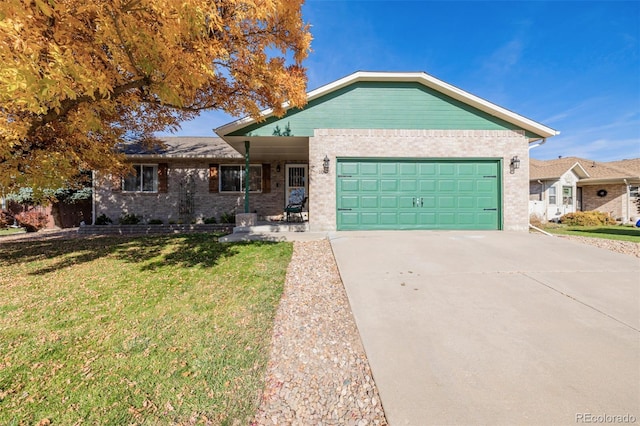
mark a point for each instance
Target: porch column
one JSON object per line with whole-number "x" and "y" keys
{"x": 246, "y": 176}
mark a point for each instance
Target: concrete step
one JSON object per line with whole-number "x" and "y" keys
{"x": 272, "y": 228}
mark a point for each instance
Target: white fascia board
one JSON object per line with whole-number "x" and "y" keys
{"x": 578, "y": 166}
{"x": 419, "y": 77}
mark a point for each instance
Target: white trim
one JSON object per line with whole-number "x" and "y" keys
{"x": 418, "y": 77}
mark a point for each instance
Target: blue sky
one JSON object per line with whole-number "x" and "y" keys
{"x": 571, "y": 65}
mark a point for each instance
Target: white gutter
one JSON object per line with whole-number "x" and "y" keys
{"x": 535, "y": 145}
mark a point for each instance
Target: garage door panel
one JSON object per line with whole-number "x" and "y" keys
{"x": 368, "y": 218}
{"x": 406, "y": 202}
{"x": 349, "y": 168}
{"x": 418, "y": 194}
{"x": 486, "y": 185}
{"x": 408, "y": 185}
{"x": 390, "y": 169}
{"x": 369, "y": 202}
{"x": 387, "y": 219}
{"x": 466, "y": 202}
{"x": 447, "y": 185}
{"x": 446, "y": 218}
{"x": 408, "y": 169}
{"x": 388, "y": 185}
{"x": 427, "y": 185}
{"x": 466, "y": 185}
{"x": 348, "y": 185}
{"x": 388, "y": 202}
{"x": 369, "y": 185}
{"x": 447, "y": 202}
{"x": 368, "y": 169}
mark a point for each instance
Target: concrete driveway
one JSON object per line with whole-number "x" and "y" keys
{"x": 495, "y": 327}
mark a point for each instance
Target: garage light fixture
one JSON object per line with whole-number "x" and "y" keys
{"x": 325, "y": 164}
{"x": 515, "y": 164}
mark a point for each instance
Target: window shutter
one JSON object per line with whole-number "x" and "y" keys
{"x": 163, "y": 177}
{"x": 266, "y": 178}
{"x": 213, "y": 178}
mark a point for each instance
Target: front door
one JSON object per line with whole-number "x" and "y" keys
{"x": 296, "y": 176}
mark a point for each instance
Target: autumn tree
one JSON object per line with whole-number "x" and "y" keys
{"x": 79, "y": 76}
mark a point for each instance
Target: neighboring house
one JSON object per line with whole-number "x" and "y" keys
{"x": 570, "y": 184}
{"x": 373, "y": 150}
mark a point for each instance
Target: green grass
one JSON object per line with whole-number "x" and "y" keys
{"x": 11, "y": 231}
{"x": 143, "y": 330}
{"x": 615, "y": 232}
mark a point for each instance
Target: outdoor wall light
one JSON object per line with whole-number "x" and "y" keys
{"x": 515, "y": 164}
{"x": 278, "y": 168}
{"x": 325, "y": 164}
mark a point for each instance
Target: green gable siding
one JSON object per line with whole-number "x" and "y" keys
{"x": 378, "y": 105}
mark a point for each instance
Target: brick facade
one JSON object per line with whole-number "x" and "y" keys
{"x": 614, "y": 203}
{"x": 390, "y": 143}
{"x": 114, "y": 203}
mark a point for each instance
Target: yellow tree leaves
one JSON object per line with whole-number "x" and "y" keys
{"x": 78, "y": 76}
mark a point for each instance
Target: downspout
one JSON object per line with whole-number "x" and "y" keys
{"x": 628, "y": 201}
{"x": 246, "y": 176}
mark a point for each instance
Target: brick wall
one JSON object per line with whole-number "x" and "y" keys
{"x": 614, "y": 203}
{"x": 385, "y": 143}
{"x": 165, "y": 206}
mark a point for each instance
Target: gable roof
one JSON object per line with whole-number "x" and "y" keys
{"x": 181, "y": 147}
{"x": 539, "y": 130}
{"x": 596, "y": 172}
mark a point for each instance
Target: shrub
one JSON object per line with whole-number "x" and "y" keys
{"x": 227, "y": 218}
{"x": 536, "y": 221}
{"x": 103, "y": 219}
{"x": 130, "y": 219}
{"x": 590, "y": 218}
{"x": 6, "y": 219}
{"x": 155, "y": 222}
{"x": 31, "y": 220}
{"x": 209, "y": 220}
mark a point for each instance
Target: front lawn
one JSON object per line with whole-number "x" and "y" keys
{"x": 142, "y": 330}
{"x": 11, "y": 231}
{"x": 615, "y": 232}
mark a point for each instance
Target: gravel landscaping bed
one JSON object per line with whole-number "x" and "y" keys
{"x": 318, "y": 372}
{"x": 625, "y": 247}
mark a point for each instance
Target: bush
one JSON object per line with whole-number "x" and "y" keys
{"x": 155, "y": 222}
{"x": 227, "y": 218}
{"x": 209, "y": 220}
{"x": 130, "y": 219}
{"x": 103, "y": 219}
{"x": 590, "y": 218}
{"x": 536, "y": 221}
{"x": 6, "y": 219}
{"x": 32, "y": 220}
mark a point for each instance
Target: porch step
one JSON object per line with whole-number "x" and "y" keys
{"x": 272, "y": 228}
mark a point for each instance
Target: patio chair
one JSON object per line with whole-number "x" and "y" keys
{"x": 296, "y": 204}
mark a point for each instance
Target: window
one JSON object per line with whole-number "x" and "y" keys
{"x": 552, "y": 195}
{"x": 143, "y": 179}
{"x": 567, "y": 195}
{"x": 232, "y": 178}
{"x": 633, "y": 191}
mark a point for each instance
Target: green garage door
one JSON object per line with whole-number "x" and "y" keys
{"x": 418, "y": 194}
